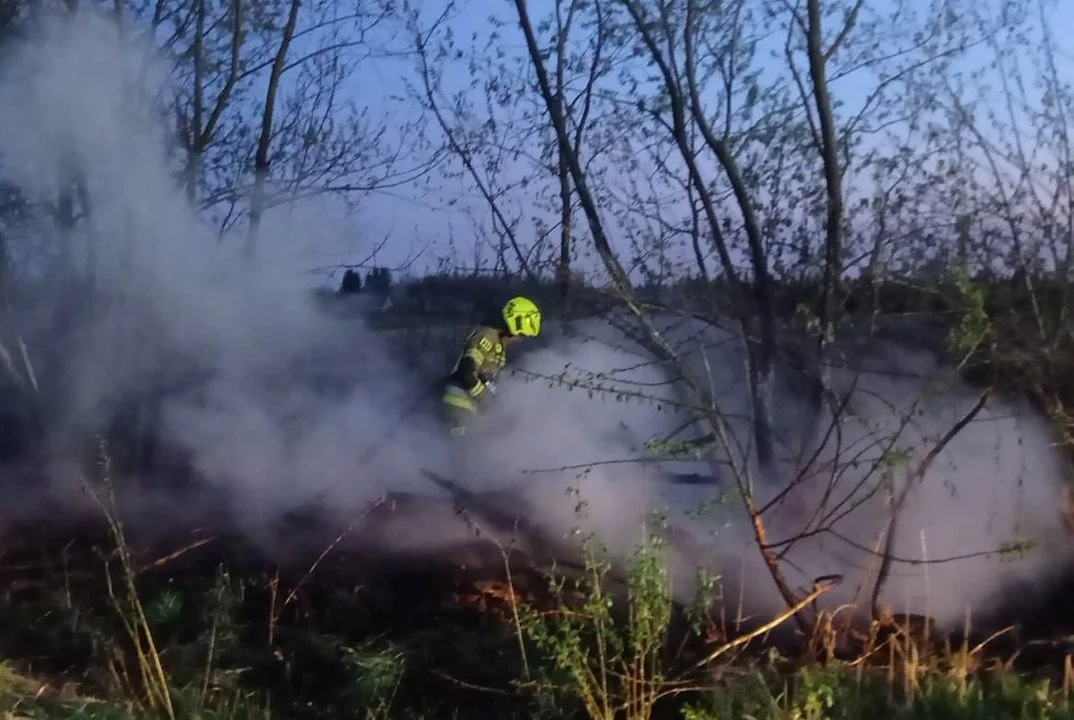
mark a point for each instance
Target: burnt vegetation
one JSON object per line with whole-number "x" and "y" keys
{"x": 311, "y": 620}
{"x": 629, "y": 161}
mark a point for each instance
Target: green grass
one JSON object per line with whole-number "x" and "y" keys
{"x": 88, "y": 629}
{"x": 840, "y": 691}
{"x": 843, "y": 692}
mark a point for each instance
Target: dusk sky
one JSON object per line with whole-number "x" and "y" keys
{"x": 413, "y": 217}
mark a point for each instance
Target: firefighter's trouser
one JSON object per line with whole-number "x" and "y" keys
{"x": 459, "y": 409}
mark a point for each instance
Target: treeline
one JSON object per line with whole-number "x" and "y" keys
{"x": 1002, "y": 296}
{"x": 1023, "y": 342}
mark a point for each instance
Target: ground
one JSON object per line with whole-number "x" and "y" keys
{"x": 103, "y": 614}
{"x": 89, "y": 608}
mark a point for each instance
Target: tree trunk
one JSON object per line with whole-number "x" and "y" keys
{"x": 194, "y": 149}
{"x": 833, "y": 180}
{"x": 563, "y": 269}
{"x": 261, "y": 158}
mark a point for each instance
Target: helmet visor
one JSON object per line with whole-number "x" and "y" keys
{"x": 528, "y": 325}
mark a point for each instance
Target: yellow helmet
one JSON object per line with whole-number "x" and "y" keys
{"x": 522, "y": 316}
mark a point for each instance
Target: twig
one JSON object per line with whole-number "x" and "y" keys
{"x": 821, "y": 586}
{"x": 324, "y": 553}
{"x": 504, "y": 553}
{"x": 172, "y": 556}
{"x": 917, "y": 476}
{"x": 470, "y": 686}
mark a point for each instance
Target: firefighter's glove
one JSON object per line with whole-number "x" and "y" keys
{"x": 490, "y": 387}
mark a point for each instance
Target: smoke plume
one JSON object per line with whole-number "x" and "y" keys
{"x": 277, "y": 403}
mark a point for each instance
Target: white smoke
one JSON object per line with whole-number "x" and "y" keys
{"x": 280, "y": 404}
{"x": 983, "y": 521}
{"x": 239, "y": 348}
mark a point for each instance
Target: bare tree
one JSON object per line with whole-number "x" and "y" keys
{"x": 495, "y": 127}
{"x": 577, "y": 110}
{"x": 472, "y": 144}
{"x": 261, "y": 155}
{"x": 311, "y": 137}
{"x": 199, "y": 131}
{"x": 757, "y": 137}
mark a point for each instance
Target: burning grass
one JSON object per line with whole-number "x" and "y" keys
{"x": 98, "y": 620}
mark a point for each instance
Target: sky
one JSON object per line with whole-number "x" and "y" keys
{"x": 418, "y": 220}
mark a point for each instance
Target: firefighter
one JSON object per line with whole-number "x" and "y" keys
{"x": 483, "y": 356}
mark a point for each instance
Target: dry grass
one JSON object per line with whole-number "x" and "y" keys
{"x": 430, "y": 644}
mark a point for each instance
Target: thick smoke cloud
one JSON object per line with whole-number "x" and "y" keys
{"x": 995, "y": 485}
{"x": 278, "y": 403}
{"x": 239, "y": 351}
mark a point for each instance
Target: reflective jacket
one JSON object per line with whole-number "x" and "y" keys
{"x": 482, "y": 358}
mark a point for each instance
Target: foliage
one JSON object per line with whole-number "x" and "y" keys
{"x": 609, "y": 643}
{"x": 379, "y": 280}
{"x": 711, "y": 182}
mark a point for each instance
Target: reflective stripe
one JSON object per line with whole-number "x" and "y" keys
{"x": 457, "y": 397}
{"x": 484, "y": 348}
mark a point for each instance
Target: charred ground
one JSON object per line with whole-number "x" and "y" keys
{"x": 306, "y": 615}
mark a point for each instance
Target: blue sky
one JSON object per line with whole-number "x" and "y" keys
{"x": 415, "y": 217}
